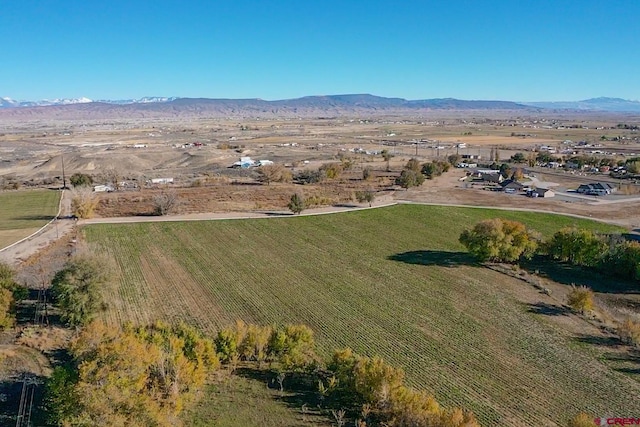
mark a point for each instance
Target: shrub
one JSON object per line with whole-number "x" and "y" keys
{"x": 435, "y": 168}
{"x": 317, "y": 201}
{"x": 367, "y": 174}
{"x": 409, "y": 178}
{"x": 413, "y": 165}
{"x": 582, "y": 420}
{"x": 629, "y": 332}
{"x": 273, "y": 173}
{"x": 331, "y": 170}
{"x": 309, "y": 176}
{"x": 580, "y": 299}
{"x": 367, "y": 196}
{"x": 296, "y": 204}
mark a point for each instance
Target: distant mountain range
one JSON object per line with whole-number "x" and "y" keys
{"x": 11, "y": 103}
{"x": 593, "y": 104}
{"x": 318, "y": 106}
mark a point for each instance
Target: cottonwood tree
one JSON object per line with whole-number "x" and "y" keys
{"x": 135, "y": 377}
{"x": 273, "y": 173}
{"x": 10, "y": 292}
{"x": 77, "y": 287}
{"x": 499, "y": 240}
{"x": 113, "y": 175}
{"x": 83, "y": 202}
{"x": 577, "y": 246}
{"x": 80, "y": 179}
{"x": 165, "y": 203}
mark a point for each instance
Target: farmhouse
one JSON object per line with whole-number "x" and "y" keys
{"x": 597, "y": 188}
{"x": 511, "y": 186}
{"x": 492, "y": 177}
{"x": 541, "y": 192}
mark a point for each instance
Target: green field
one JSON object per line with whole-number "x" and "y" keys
{"x": 23, "y": 212}
{"x": 393, "y": 282}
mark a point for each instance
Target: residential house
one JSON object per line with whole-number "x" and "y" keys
{"x": 511, "y": 186}
{"x": 541, "y": 192}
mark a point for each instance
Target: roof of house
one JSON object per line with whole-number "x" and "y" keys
{"x": 542, "y": 190}
{"x": 510, "y": 183}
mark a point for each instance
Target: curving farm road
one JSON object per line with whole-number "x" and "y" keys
{"x": 17, "y": 253}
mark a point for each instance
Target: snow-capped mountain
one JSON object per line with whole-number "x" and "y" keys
{"x": 143, "y": 100}
{"x": 11, "y": 103}
{"x": 8, "y": 102}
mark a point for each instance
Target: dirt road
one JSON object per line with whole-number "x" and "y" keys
{"x": 432, "y": 193}
{"x": 18, "y": 252}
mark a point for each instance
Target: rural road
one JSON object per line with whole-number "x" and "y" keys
{"x": 19, "y": 252}
{"x": 59, "y": 227}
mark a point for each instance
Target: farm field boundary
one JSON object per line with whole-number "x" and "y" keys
{"x": 393, "y": 282}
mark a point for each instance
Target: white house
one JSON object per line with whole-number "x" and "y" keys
{"x": 102, "y": 188}
{"x": 161, "y": 180}
{"x": 244, "y": 163}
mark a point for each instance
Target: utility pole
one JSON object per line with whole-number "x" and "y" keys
{"x": 64, "y": 179}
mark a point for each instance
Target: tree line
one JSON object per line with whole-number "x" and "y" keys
{"x": 498, "y": 240}
{"x": 501, "y": 240}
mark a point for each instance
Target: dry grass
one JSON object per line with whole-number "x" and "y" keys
{"x": 45, "y": 339}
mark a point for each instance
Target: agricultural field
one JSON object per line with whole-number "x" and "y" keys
{"x": 392, "y": 282}
{"x": 24, "y": 212}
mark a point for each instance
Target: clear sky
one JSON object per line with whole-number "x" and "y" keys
{"x": 535, "y": 50}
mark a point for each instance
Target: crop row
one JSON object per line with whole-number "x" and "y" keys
{"x": 455, "y": 330}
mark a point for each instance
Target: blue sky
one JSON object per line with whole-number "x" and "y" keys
{"x": 509, "y": 49}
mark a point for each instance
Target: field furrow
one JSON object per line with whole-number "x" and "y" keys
{"x": 392, "y": 282}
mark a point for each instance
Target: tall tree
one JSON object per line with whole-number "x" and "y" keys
{"x": 80, "y": 179}
{"x": 409, "y": 178}
{"x": 386, "y": 155}
{"x": 76, "y": 289}
{"x": 499, "y": 240}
